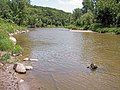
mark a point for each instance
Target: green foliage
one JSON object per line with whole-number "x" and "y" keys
{"x": 3, "y": 34}
{"x": 98, "y": 15}
{"x": 73, "y": 27}
{"x": 17, "y": 49}
{"x": 86, "y": 27}
{"x": 95, "y": 26}
{"x": 5, "y": 44}
{"x": 77, "y": 13}
{"x": 106, "y": 12}
{"x": 88, "y": 5}
{"x": 78, "y": 22}
{"x": 5, "y": 57}
{"x": 6, "y": 28}
{"x": 110, "y": 30}
{"x": 44, "y": 16}
{"x": 118, "y": 20}
{"x": 87, "y": 19}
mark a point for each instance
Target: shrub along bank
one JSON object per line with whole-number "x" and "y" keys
{"x": 5, "y": 43}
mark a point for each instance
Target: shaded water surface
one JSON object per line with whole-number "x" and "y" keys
{"x": 63, "y": 58}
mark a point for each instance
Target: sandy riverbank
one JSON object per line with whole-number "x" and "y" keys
{"x": 81, "y": 31}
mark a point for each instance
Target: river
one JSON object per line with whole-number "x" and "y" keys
{"x": 64, "y": 56}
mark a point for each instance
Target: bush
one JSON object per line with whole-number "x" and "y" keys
{"x": 111, "y": 30}
{"x": 9, "y": 27}
{"x": 87, "y": 19}
{"x": 118, "y": 20}
{"x": 5, "y": 57}
{"x": 78, "y": 22}
{"x": 117, "y": 31}
{"x": 3, "y": 34}
{"x": 95, "y": 26}
{"x": 17, "y": 50}
{"x": 86, "y": 27}
{"x": 73, "y": 27}
{"x": 6, "y": 44}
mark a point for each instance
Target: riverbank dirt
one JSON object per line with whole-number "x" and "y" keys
{"x": 9, "y": 79}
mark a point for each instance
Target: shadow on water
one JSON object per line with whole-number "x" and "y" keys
{"x": 63, "y": 58}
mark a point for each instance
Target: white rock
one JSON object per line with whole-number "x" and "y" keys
{"x": 27, "y": 30}
{"x": 20, "y": 68}
{"x": 13, "y": 40}
{"x": 33, "y": 59}
{"x": 28, "y": 67}
{"x": 1, "y": 65}
{"x": 26, "y": 59}
{"x": 11, "y": 34}
{"x": 30, "y": 59}
{"x": 15, "y": 33}
{"x": 23, "y": 31}
{"x": 21, "y": 81}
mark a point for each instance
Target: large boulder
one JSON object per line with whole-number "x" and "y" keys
{"x": 13, "y": 40}
{"x": 19, "y": 68}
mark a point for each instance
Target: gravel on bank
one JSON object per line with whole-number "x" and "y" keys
{"x": 9, "y": 79}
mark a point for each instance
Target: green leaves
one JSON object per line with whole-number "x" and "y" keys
{"x": 5, "y": 57}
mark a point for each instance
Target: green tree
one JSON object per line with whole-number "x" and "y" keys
{"x": 106, "y": 12}
{"x": 87, "y": 19}
{"x": 19, "y": 11}
{"x": 77, "y": 13}
{"x": 5, "y": 11}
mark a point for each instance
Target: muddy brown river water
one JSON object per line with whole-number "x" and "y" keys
{"x": 64, "y": 56}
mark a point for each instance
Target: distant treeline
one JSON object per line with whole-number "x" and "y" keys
{"x": 22, "y": 12}
{"x": 98, "y": 15}
{"x": 94, "y": 15}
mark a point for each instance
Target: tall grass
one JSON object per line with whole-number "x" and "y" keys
{"x": 6, "y": 28}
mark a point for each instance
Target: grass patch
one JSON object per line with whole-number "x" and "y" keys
{"x": 5, "y": 57}
{"x": 17, "y": 50}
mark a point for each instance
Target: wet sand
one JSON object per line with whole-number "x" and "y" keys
{"x": 81, "y": 31}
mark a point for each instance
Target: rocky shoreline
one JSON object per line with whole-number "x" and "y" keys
{"x": 9, "y": 77}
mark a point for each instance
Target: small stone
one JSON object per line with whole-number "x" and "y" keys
{"x": 1, "y": 65}
{"x": 23, "y": 32}
{"x": 33, "y": 59}
{"x": 26, "y": 59}
{"x": 28, "y": 67}
{"x": 21, "y": 81}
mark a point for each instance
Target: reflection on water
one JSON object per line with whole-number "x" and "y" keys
{"x": 63, "y": 58}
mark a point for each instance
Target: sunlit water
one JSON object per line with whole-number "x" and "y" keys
{"x": 64, "y": 57}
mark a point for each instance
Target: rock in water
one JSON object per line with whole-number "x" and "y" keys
{"x": 28, "y": 67}
{"x": 33, "y": 59}
{"x": 19, "y": 68}
{"x": 92, "y": 66}
{"x": 29, "y": 59}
